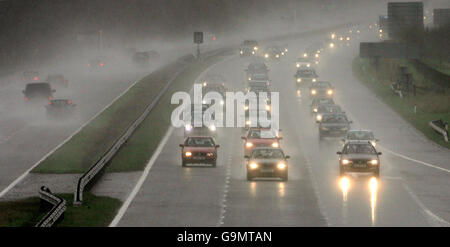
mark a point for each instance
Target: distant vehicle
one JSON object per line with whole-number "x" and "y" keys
{"x": 260, "y": 115}
{"x": 325, "y": 109}
{"x": 359, "y": 156}
{"x": 321, "y": 89}
{"x": 30, "y": 76}
{"x": 305, "y": 75}
{"x": 213, "y": 79}
{"x": 333, "y": 124}
{"x": 56, "y": 80}
{"x": 204, "y": 130}
{"x": 303, "y": 62}
{"x": 259, "y": 77}
{"x": 256, "y": 68}
{"x": 38, "y": 91}
{"x": 248, "y": 48}
{"x": 199, "y": 150}
{"x": 267, "y": 162}
{"x": 360, "y": 135}
{"x": 318, "y": 101}
{"x": 215, "y": 87}
{"x": 273, "y": 53}
{"x": 141, "y": 58}
{"x": 60, "y": 108}
{"x": 260, "y": 137}
{"x": 97, "y": 62}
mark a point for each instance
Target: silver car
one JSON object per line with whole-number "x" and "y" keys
{"x": 359, "y": 156}
{"x": 267, "y": 162}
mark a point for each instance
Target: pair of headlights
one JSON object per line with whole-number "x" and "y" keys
{"x": 189, "y": 154}
{"x": 188, "y": 127}
{"x": 280, "y": 165}
{"x": 274, "y": 144}
{"x": 346, "y": 162}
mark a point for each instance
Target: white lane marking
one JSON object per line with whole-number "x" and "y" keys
{"x": 433, "y": 219}
{"x": 414, "y": 160}
{"x": 142, "y": 179}
{"x": 21, "y": 177}
{"x": 225, "y": 191}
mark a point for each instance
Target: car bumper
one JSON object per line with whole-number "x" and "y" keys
{"x": 266, "y": 172}
{"x": 199, "y": 160}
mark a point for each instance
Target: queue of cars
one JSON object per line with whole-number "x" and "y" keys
{"x": 262, "y": 146}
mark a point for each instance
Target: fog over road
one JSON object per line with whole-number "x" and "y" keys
{"x": 413, "y": 188}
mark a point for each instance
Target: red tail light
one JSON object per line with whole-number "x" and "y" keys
{"x": 89, "y": 65}
{"x": 101, "y": 64}
{"x": 26, "y": 99}
{"x": 35, "y": 78}
{"x": 23, "y": 78}
{"x": 50, "y": 98}
{"x": 50, "y": 102}
{"x": 69, "y": 102}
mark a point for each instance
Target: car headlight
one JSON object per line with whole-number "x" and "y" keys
{"x": 188, "y": 127}
{"x": 319, "y": 117}
{"x": 330, "y": 92}
{"x": 249, "y": 144}
{"x": 374, "y": 162}
{"x": 313, "y": 91}
{"x": 253, "y": 165}
{"x": 297, "y": 65}
{"x": 248, "y": 122}
{"x": 282, "y": 53}
{"x": 308, "y": 65}
{"x": 317, "y": 55}
{"x": 210, "y": 154}
{"x": 253, "y": 52}
{"x": 204, "y": 84}
{"x": 305, "y": 54}
{"x": 188, "y": 154}
{"x": 348, "y": 38}
{"x": 316, "y": 62}
{"x": 373, "y": 143}
{"x": 266, "y": 55}
{"x": 203, "y": 101}
{"x": 267, "y": 107}
{"x": 331, "y": 45}
{"x": 222, "y": 102}
{"x": 246, "y": 107}
{"x": 299, "y": 80}
{"x": 241, "y": 52}
{"x": 314, "y": 80}
{"x": 315, "y": 110}
{"x": 277, "y": 55}
{"x": 212, "y": 128}
{"x": 275, "y": 145}
{"x": 281, "y": 166}
{"x": 255, "y": 48}
{"x": 286, "y": 50}
{"x": 345, "y": 162}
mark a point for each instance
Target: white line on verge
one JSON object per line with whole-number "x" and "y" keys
{"x": 143, "y": 177}
{"x": 414, "y": 160}
{"x": 21, "y": 177}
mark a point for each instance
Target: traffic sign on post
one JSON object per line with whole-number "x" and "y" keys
{"x": 198, "y": 39}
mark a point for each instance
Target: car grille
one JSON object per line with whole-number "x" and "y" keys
{"x": 269, "y": 165}
{"x": 359, "y": 163}
{"x": 198, "y": 154}
{"x": 263, "y": 145}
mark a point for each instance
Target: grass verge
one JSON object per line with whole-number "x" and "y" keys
{"x": 96, "y": 211}
{"x": 431, "y": 105}
{"x": 134, "y": 155}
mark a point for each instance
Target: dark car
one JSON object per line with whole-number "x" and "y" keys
{"x": 359, "y": 156}
{"x": 321, "y": 89}
{"x": 141, "y": 58}
{"x": 38, "y": 91}
{"x": 60, "y": 108}
{"x": 199, "y": 150}
{"x": 326, "y": 109}
{"x": 30, "y": 76}
{"x": 305, "y": 75}
{"x": 256, "y": 68}
{"x": 319, "y": 101}
{"x": 248, "y": 48}
{"x": 267, "y": 162}
{"x": 57, "y": 80}
{"x": 333, "y": 124}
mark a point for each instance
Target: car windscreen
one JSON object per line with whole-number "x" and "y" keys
{"x": 360, "y": 135}
{"x": 334, "y": 119}
{"x": 329, "y": 109}
{"x": 267, "y": 154}
{"x": 323, "y": 85}
{"x": 199, "y": 142}
{"x": 306, "y": 72}
{"x": 38, "y": 87}
{"x": 359, "y": 149}
{"x": 261, "y": 134}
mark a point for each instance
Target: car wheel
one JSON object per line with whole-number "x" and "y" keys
{"x": 341, "y": 171}
{"x": 249, "y": 176}
{"x": 214, "y": 163}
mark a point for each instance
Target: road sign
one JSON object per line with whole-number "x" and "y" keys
{"x": 403, "y": 16}
{"x": 198, "y": 37}
{"x": 388, "y": 50}
{"x": 441, "y": 17}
